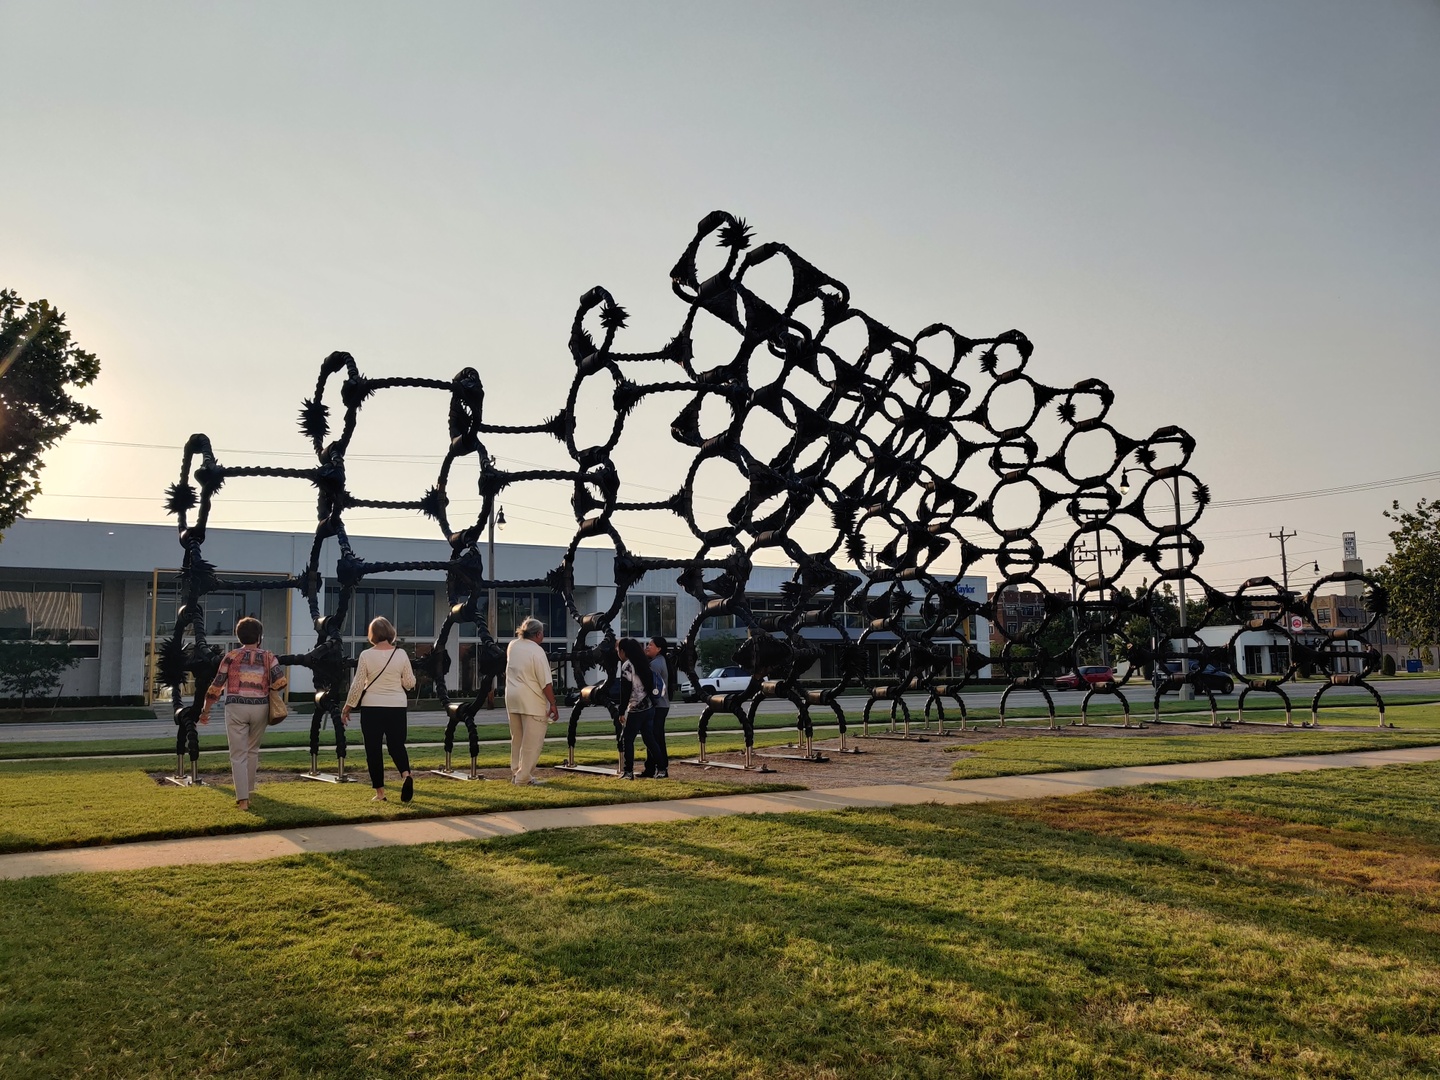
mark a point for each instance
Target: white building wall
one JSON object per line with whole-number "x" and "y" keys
{"x": 130, "y": 678}
{"x": 123, "y": 558}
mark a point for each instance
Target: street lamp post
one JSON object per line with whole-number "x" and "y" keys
{"x": 1187, "y": 692}
{"x": 491, "y": 615}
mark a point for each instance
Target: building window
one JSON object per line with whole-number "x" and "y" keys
{"x": 411, "y": 610}
{"x": 645, "y": 616}
{"x": 512, "y": 607}
{"x": 43, "y": 611}
{"x": 223, "y": 609}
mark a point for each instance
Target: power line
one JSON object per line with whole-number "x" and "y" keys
{"x": 408, "y": 459}
{"x": 1319, "y": 493}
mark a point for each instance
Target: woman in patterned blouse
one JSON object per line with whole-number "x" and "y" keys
{"x": 246, "y": 677}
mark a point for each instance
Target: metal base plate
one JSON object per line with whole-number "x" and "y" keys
{"x": 726, "y": 765}
{"x": 816, "y": 757}
{"x": 601, "y": 770}
{"x": 454, "y": 774}
{"x": 328, "y": 778}
{"x": 897, "y": 737}
{"x": 185, "y": 781}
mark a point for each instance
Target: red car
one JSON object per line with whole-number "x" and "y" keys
{"x": 1088, "y": 677}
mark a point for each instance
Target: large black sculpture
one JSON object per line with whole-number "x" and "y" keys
{"x": 863, "y": 458}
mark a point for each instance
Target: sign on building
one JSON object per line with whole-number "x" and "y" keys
{"x": 1347, "y": 540}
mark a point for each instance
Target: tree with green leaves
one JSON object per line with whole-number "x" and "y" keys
{"x": 1411, "y": 575}
{"x": 39, "y": 367}
{"x": 30, "y": 669}
{"x": 718, "y": 650}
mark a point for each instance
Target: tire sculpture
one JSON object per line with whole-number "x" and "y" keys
{"x": 863, "y": 458}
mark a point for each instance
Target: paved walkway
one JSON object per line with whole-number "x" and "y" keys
{"x": 254, "y": 847}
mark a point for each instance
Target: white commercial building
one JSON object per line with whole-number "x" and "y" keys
{"x": 109, "y": 590}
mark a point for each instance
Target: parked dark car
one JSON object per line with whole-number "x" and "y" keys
{"x": 1094, "y": 675}
{"x": 1210, "y": 677}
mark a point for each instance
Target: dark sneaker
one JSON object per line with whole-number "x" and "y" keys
{"x": 662, "y": 774}
{"x": 627, "y": 776}
{"x": 407, "y": 789}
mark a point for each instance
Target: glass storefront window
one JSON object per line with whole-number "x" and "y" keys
{"x": 405, "y": 614}
{"x": 411, "y": 610}
{"x": 15, "y": 613}
{"x": 52, "y": 611}
{"x": 88, "y": 628}
{"x": 511, "y": 608}
{"x": 660, "y": 616}
{"x": 223, "y": 609}
{"x": 647, "y": 616}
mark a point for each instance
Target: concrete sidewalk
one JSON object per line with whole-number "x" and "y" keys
{"x": 254, "y": 847}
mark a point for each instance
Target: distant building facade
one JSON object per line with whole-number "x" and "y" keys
{"x": 108, "y": 590}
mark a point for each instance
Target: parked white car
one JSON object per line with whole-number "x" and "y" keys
{"x": 724, "y": 680}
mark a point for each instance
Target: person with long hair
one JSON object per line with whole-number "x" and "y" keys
{"x": 658, "y": 765}
{"x": 382, "y": 675}
{"x": 246, "y": 676}
{"x": 637, "y": 691}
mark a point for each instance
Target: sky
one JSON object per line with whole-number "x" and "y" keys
{"x": 1225, "y": 211}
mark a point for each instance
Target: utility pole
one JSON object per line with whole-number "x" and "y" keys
{"x": 1187, "y": 692}
{"x": 1084, "y": 554}
{"x": 1282, "y": 536}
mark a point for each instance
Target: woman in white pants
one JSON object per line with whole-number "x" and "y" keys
{"x": 246, "y": 677}
{"x": 529, "y": 699}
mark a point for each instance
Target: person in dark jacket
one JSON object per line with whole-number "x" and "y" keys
{"x": 658, "y": 764}
{"x": 639, "y": 711}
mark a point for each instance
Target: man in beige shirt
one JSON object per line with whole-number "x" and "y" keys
{"x": 529, "y": 699}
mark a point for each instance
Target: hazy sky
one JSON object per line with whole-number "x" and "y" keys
{"x": 1226, "y": 211}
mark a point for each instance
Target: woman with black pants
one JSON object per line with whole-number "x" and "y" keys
{"x": 638, "y": 695}
{"x": 658, "y": 763}
{"x": 382, "y": 675}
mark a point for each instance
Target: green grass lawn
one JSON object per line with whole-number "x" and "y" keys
{"x": 1078, "y": 749}
{"x": 47, "y": 804}
{"x": 68, "y": 803}
{"x": 1283, "y": 926}
{"x": 296, "y": 730}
